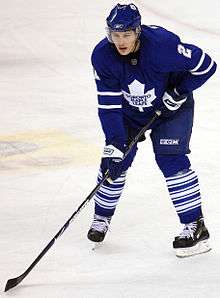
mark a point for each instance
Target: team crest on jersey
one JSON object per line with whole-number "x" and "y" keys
{"x": 137, "y": 96}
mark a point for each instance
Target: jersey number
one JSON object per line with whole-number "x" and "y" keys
{"x": 184, "y": 51}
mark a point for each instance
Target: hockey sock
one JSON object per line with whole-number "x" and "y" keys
{"x": 108, "y": 195}
{"x": 185, "y": 194}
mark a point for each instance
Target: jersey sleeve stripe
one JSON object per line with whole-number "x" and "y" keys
{"x": 108, "y": 107}
{"x": 200, "y": 63}
{"x": 109, "y": 93}
{"x": 204, "y": 71}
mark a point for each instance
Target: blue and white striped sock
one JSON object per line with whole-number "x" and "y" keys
{"x": 185, "y": 194}
{"x": 108, "y": 195}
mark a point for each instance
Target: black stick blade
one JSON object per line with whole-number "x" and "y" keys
{"x": 13, "y": 282}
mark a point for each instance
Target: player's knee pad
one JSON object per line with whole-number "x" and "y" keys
{"x": 172, "y": 164}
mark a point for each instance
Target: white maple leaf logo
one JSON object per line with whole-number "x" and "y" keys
{"x": 137, "y": 97}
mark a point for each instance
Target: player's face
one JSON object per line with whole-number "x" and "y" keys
{"x": 124, "y": 41}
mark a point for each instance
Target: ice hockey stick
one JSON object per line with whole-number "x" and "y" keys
{"x": 13, "y": 282}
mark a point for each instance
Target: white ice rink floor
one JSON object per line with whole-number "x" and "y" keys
{"x": 50, "y": 144}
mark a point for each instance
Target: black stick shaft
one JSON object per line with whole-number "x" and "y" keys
{"x": 15, "y": 281}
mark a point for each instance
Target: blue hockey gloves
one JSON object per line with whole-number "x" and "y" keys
{"x": 113, "y": 159}
{"x": 172, "y": 101}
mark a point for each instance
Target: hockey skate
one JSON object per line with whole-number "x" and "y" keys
{"x": 99, "y": 228}
{"x": 192, "y": 240}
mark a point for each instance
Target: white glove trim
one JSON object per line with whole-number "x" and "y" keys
{"x": 112, "y": 151}
{"x": 171, "y": 103}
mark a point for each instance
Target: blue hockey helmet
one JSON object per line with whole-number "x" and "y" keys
{"x": 123, "y": 17}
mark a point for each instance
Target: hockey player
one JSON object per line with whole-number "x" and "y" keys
{"x": 138, "y": 70}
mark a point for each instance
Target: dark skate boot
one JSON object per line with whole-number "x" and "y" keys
{"x": 192, "y": 240}
{"x": 98, "y": 228}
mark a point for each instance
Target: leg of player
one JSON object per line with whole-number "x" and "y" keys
{"x": 106, "y": 200}
{"x": 171, "y": 141}
{"x": 184, "y": 192}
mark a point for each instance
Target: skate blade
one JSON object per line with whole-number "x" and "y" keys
{"x": 200, "y": 248}
{"x": 96, "y": 245}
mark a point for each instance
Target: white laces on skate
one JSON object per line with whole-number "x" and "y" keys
{"x": 188, "y": 230}
{"x": 100, "y": 223}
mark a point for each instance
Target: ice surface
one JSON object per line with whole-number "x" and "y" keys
{"x": 50, "y": 143}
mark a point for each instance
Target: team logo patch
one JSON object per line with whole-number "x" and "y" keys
{"x": 169, "y": 141}
{"x": 138, "y": 97}
{"x": 108, "y": 151}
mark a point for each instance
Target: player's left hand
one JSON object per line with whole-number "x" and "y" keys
{"x": 113, "y": 157}
{"x": 172, "y": 101}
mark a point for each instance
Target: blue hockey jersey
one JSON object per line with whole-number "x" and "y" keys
{"x": 131, "y": 87}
